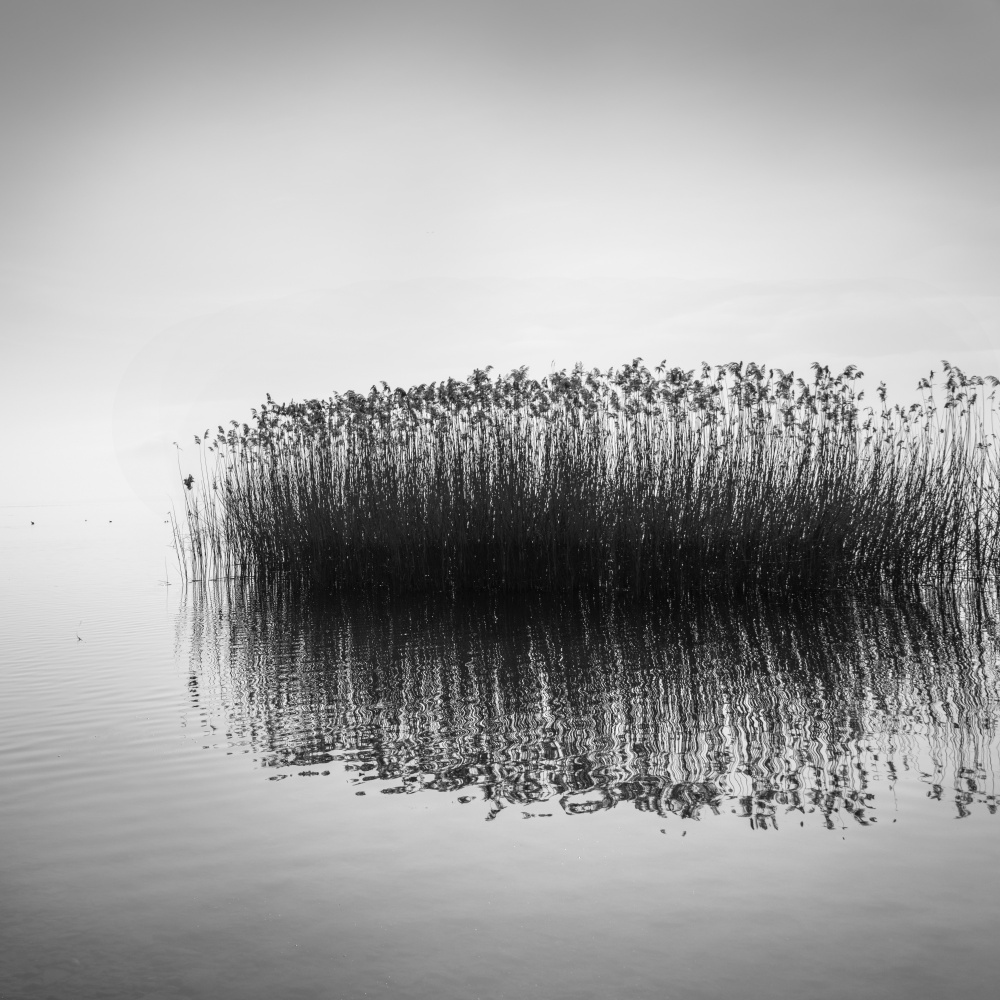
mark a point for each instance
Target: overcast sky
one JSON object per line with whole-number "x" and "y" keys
{"x": 202, "y": 202}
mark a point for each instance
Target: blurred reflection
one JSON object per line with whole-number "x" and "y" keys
{"x": 772, "y": 713}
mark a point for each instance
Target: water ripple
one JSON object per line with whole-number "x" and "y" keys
{"x": 807, "y": 710}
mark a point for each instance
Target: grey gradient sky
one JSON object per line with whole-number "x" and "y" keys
{"x": 202, "y": 202}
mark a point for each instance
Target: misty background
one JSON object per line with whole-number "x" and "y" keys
{"x": 205, "y": 202}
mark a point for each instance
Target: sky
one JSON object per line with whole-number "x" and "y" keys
{"x": 204, "y": 202}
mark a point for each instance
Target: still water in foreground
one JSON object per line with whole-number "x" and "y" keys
{"x": 211, "y": 792}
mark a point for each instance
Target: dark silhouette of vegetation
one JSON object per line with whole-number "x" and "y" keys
{"x": 656, "y": 482}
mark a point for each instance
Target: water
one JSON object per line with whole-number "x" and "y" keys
{"x": 212, "y": 793}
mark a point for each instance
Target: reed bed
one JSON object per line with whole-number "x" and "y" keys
{"x": 652, "y": 482}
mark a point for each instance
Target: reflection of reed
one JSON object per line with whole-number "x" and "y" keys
{"x": 684, "y": 711}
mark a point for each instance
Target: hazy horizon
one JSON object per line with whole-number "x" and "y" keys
{"x": 206, "y": 202}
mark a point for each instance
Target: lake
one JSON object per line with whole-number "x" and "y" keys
{"x": 215, "y": 791}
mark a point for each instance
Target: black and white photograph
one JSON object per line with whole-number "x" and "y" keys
{"x": 500, "y": 499}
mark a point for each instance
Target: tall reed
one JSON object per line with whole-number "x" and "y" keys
{"x": 652, "y": 482}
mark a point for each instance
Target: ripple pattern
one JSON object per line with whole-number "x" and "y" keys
{"x": 815, "y": 709}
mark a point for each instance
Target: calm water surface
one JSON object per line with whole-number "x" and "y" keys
{"x": 212, "y": 793}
